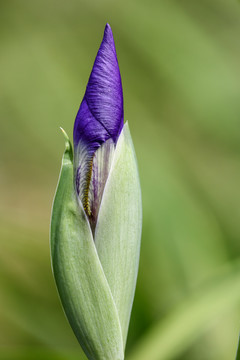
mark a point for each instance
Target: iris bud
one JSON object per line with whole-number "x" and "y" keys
{"x": 97, "y": 216}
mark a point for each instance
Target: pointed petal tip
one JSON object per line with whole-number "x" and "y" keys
{"x": 108, "y": 38}
{"x": 108, "y": 28}
{"x": 100, "y": 116}
{"x": 108, "y": 31}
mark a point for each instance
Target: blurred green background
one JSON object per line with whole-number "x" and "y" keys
{"x": 180, "y": 65}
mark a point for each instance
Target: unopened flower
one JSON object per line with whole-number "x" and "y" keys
{"x": 97, "y": 216}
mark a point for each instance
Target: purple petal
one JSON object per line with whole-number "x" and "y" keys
{"x": 97, "y": 127}
{"x": 100, "y": 116}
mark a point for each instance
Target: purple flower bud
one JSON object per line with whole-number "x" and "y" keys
{"x": 98, "y": 124}
{"x": 97, "y": 216}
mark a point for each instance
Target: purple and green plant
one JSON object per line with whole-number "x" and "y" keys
{"x": 97, "y": 215}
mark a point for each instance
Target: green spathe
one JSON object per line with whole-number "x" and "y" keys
{"x": 118, "y": 229}
{"x": 96, "y": 278}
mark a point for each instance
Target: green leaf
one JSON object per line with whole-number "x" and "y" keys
{"x": 81, "y": 283}
{"x": 174, "y": 334}
{"x": 238, "y": 351}
{"x": 118, "y": 229}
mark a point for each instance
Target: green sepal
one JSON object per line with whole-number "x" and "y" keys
{"x": 119, "y": 225}
{"x": 81, "y": 282}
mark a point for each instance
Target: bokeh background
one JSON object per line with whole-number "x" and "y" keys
{"x": 180, "y": 65}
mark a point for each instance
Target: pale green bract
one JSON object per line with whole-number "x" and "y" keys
{"x": 96, "y": 277}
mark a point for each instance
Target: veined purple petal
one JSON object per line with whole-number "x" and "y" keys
{"x": 100, "y": 115}
{"x": 98, "y": 124}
